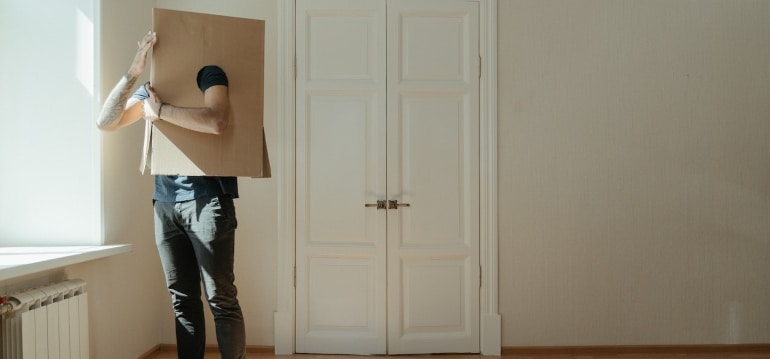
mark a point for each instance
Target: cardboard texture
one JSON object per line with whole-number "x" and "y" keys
{"x": 187, "y": 42}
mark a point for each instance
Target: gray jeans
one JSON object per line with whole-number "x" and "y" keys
{"x": 196, "y": 243}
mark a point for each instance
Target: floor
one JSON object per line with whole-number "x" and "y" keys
{"x": 537, "y": 356}
{"x": 741, "y": 354}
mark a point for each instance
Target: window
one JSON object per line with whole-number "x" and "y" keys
{"x": 50, "y": 190}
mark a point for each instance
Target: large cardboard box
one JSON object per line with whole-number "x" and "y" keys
{"x": 186, "y": 42}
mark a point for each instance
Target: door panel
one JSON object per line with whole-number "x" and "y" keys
{"x": 433, "y": 124}
{"x": 342, "y": 290}
{"x": 338, "y": 178}
{"x": 430, "y": 128}
{"x": 340, "y": 124}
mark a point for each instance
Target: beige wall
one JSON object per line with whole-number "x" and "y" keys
{"x": 125, "y": 292}
{"x": 634, "y": 171}
{"x": 634, "y": 175}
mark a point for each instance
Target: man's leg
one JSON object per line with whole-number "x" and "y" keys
{"x": 183, "y": 280}
{"x": 213, "y": 231}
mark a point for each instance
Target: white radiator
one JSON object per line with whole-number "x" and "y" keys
{"x": 49, "y": 322}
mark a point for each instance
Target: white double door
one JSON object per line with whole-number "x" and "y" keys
{"x": 387, "y": 109}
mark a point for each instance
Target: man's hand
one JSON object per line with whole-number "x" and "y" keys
{"x": 140, "y": 59}
{"x": 152, "y": 105}
{"x": 119, "y": 108}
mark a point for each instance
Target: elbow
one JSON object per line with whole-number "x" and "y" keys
{"x": 103, "y": 126}
{"x": 220, "y": 123}
{"x": 219, "y": 127}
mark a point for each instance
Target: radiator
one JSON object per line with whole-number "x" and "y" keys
{"x": 49, "y": 322}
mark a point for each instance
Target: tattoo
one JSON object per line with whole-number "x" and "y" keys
{"x": 115, "y": 103}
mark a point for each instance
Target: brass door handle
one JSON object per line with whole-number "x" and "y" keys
{"x": 380, "y": 204}
{"x": 393, "y": 204}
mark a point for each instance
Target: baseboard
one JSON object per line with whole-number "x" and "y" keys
{"x": 552, "y": 350}
{"x": 491, "y": 335}
{"x": 165, "y": 348}
{"x": 150, "y": 353}
{"x": 635, "y": 349}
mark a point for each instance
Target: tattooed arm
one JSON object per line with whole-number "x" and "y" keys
{"x": 120, "y": 109}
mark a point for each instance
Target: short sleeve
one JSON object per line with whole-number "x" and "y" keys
{"x": 141, "y": 93}
{"x": 211, "y": 75}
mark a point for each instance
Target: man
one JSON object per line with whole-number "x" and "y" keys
{"x": 194, "y": 216}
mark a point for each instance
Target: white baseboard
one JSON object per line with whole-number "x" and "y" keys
{"x": 491, "y": 334}
{"x": 284, "y": 333}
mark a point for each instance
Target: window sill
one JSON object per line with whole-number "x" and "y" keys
{"x": 20, "y": 261}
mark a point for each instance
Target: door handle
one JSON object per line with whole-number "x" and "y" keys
{"x": 380, "y": 204}
{"x": 393, "y": 204}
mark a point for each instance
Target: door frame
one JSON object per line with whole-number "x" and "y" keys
{"x": 284, "y": 315}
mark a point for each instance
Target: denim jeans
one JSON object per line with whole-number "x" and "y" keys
{"x": 196, "y": 243}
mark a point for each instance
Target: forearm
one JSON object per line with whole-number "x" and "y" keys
{"x": 112, "y": 110}
{"x": 200, "y": 119}
{"x": 117, "y": 111}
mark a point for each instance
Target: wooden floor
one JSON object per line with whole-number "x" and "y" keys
{"x": 762, "y": 352}
{"x": 168, "y": 355}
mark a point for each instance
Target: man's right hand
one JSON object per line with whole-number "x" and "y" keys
{"x": 140, "y": 59}
{"x": 120, "y": 109}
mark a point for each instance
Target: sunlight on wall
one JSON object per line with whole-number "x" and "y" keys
{"x": 84, "y": 64}
{"x": 50, "y": 182}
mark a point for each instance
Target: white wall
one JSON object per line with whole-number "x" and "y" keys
{"x": 634, "y": 174}
{"x": 634, "y": 171}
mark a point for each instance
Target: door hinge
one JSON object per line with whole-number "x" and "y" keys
{"x": 295, "y": 276}
{"x": 295, "y": 67}
{"x": 480, "y": 277}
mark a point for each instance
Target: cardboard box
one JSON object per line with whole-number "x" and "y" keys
{"x": 186, "y": 42}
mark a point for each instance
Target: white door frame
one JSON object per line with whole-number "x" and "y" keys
{"x": 285, "y": 170}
